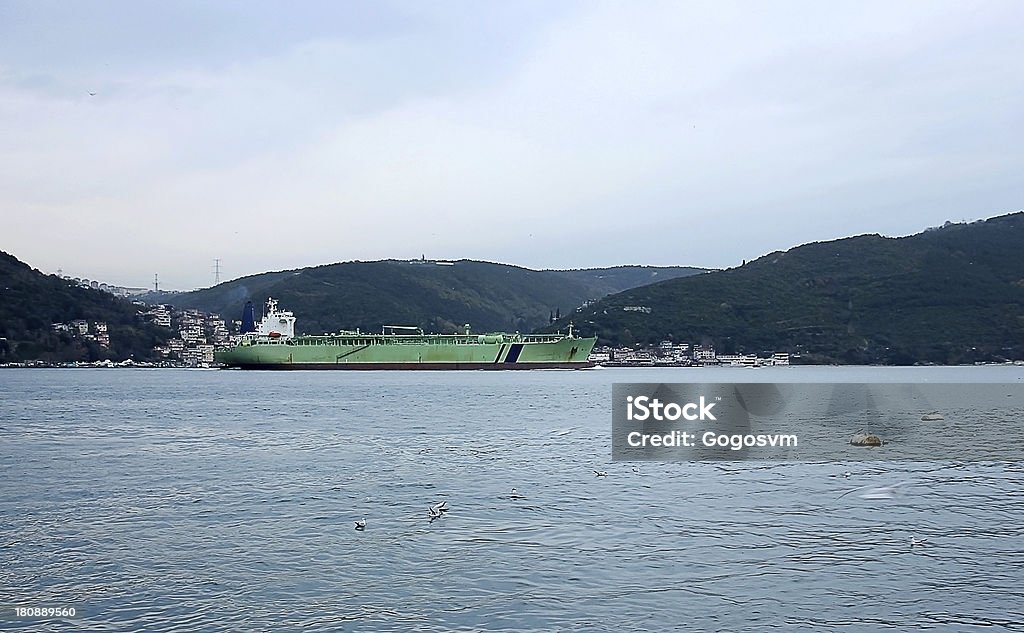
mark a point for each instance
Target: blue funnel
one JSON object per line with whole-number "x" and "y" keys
{"x": 248, "y": 318}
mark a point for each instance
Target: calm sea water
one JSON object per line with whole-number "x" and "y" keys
{"x": 175, "y": 500}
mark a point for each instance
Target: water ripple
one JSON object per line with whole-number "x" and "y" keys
{"x": 184, "y": 501}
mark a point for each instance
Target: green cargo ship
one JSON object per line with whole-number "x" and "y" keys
{"x": 272, "y": 344}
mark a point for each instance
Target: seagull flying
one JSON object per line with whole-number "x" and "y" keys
{"x": 437, "y": 510}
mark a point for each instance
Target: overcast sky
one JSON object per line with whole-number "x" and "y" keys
{"x": 549, "y": 134}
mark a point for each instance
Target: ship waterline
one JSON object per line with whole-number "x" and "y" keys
{"x": 273, "y": 346}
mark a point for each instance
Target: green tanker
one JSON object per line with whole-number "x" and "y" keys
{"x": 272, "y": 344}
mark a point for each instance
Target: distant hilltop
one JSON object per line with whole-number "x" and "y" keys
{"x": 436, "y": 295}
{"x": 118, "y": 291}
{"x": 951, "y": 294}
{"x": 424, "y": 261}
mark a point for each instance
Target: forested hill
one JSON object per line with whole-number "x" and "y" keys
{"x": 606, "y": 281}
{"x": 31, "y": 302}
{"x": 435, "y": 296}
{"x": 948, "y": 295}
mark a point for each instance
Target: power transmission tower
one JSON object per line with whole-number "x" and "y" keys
{"x": 216, "y": 271}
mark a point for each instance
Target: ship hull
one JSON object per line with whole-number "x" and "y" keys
{"x": 411, "y": 366}
{"x": 423, "y": 352}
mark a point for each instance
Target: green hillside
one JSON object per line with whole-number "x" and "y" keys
{"x": 368, "y": 295}
{"x": 30, "y": 302}
{"x": 606, "y": 281}
{"x": 436, "y": 297}
{"x": 948, "y": 295}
